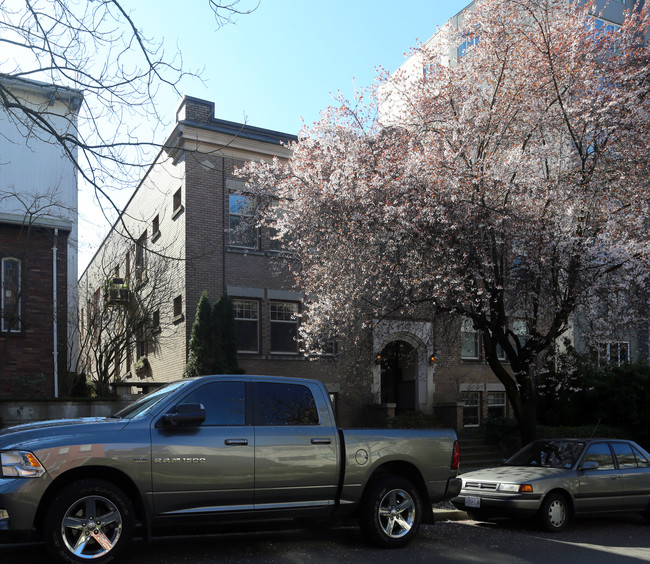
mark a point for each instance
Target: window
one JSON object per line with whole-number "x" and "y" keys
{"x": 471, "y": 408}
{"x": 118, "y": 363}
{"x": 468, "y": 340}
{"x": 178, "y": 308}
{"x": 275, "y": 242}
{"x": 247, "y": 325}
{"x": 155, "y": 320}
{"x": 141, "y": 344}
{"x": 284, "y": 327}
{"x": 603, "y": 26}
{"x": 177, "y": 200}
{"x": 469, "y": 40}
{"x": 624, "y": 455}
{"x": 616, "y": 353}
{"x": 224, "y": 402}
{"x": 129, "y": 354}
{"x": 11, "y": 299}
{"x": 520, "y": 329}
{"x": 141, "y": 256}
{"x": 286, "y": 404}
{"x": 641, "y": 460}
{"x": 155, "y": 227}
{"x": 496, "y": 404}
{"x": 601, "y": 454}
{"x": 243, "y": 233}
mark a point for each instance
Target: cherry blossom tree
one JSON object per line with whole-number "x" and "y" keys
{"x": 508, "y": 185}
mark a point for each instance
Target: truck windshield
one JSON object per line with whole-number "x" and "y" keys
{"x": 148, "y": 402}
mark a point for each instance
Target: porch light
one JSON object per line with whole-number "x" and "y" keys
{"x": 378, "y": 358}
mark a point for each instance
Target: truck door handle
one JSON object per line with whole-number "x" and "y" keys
{"x": 236, "y": 442}
{"x": 321, "y": 441}
{"x": 615, "y": 476}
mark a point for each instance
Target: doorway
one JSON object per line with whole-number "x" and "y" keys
{"x": 399, "y": 375}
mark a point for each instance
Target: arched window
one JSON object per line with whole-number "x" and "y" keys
{"x": 11, "y": 290}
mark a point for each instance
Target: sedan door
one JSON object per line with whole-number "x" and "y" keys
{"x": 635, "y": 472}
{"x": 206, "y": 468}
{"x": 600, "y": 489}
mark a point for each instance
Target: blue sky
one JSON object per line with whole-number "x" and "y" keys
{"x": 280, "y": 63}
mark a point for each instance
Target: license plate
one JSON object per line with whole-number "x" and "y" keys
{"x": 471, "y": 501}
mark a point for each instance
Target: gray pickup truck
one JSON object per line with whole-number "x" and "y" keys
{"x": 216, "y": 449}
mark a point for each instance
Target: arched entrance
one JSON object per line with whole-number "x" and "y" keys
{"x": 399, "y": 370}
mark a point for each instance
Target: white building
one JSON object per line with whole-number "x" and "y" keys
{"x": 38, "y": 232}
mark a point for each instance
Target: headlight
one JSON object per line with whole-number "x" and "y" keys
{"x": 517, "y": 488}
{"x": 20, "y": 464}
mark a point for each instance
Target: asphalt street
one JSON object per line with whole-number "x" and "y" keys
{"x": 594, "y": 541}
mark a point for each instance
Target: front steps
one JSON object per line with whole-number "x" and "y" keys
{"x": 476, "y": 452}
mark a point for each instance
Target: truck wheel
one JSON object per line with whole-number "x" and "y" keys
{"x": 89, "y": 520}
{"x": 390, "y": 512}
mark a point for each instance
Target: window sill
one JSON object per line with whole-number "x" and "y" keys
{"x": 155, "y": 236}
{"x": 178, "y": 211}
{"x": 20, "y": 333}
{"x": 245, "y": 251}
{"x": 178, "y": 319}
{"x": 285, "y": 356}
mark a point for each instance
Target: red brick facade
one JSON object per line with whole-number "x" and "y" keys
{"x": 26, "y": 357}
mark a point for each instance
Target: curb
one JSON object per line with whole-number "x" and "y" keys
{"x": 449, "y": 515}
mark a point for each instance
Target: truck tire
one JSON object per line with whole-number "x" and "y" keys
{"x": 390, "y": 512}
{"x": 89, "y": 520}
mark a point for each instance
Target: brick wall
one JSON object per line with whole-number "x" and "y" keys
{"x": 26, "y": 358}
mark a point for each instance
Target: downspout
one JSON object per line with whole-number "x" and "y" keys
{"x": 225, "y": 200}
{"x": 55, "y": 352}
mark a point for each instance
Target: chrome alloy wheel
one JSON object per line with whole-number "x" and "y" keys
{"x": 396, "y": 513}
{"x": 557, "y": 513}
{"x": 91, "y": 527}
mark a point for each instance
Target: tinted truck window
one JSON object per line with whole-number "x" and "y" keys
{"x": 286, "y": 404}
{"x": 224, "y": 402}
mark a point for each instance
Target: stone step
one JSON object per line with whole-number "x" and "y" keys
{"x": 479, "y": 453}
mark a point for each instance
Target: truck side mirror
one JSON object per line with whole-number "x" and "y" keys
{"x": 185, "y": 414}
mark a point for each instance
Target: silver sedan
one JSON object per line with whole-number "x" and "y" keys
{"x": 556, "y": 479}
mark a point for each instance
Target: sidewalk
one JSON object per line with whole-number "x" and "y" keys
{"x": 445, "y": 511}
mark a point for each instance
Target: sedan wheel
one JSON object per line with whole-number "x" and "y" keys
{"x": 554, "y": 514}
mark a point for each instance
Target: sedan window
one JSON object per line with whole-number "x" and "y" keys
{"x": 601, "y": 454}
{"x": 624, "y": 455}
{"x": 641, "y": 459}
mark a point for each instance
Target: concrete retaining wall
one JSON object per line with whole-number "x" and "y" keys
{"x": 19, "y": 412}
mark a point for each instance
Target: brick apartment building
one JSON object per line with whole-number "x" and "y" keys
{"x": 38, "y": 227}
{"x": 178, "y": 231}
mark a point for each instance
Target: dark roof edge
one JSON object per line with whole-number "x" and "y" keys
{"x": 233, "y": 128}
